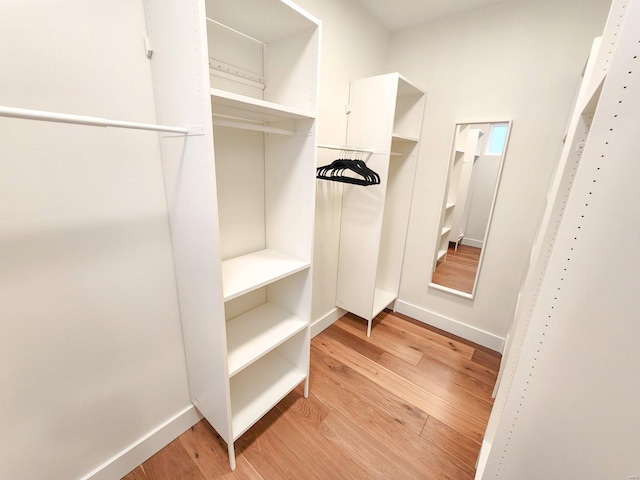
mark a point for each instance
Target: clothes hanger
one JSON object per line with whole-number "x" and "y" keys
{"x": 336, "y": 170}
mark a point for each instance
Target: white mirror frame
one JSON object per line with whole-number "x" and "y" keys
{"x": 439, "y": 239}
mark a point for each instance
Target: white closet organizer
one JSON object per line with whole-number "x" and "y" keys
{"x": 465, "y": 153}
{"x": 241, "y": 197}
{"x": 386, "y": 118}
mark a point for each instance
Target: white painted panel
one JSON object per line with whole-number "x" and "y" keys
{"x": 178, "y": 34}
{"x": 372, "y": 103}
{"x": 264, "y": 20}
{"x": 571, "y": 411}
{"x": 87, "y": 285}
{"x": 290, "y": 67}
{"x": 290, "y": 191}
{"x": 240, "y": 180}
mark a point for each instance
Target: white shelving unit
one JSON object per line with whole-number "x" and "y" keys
{"x": 241, "y": 196}
{"x": 464, "y": 153}
{"x": 386, "y": 118}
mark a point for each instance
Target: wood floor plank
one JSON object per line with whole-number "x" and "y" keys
{"x": 383, "y": 339}
{"x": 489, "y": 360}
{"x": 379, "y": 422}
{"x": 426, "y": 336}
{"x": 442, "y": 386}
{"x": 483, "y": 376}
{"x": 369, "y": 452}
{"x": 291, "y": 446}
{"x": 465, "y": 379}
{"x": 385, "y": 378}
{"x": 409, "y": 402}
{"x": 354, "y": 342}
{"x": 457, "y": 448}
{"x": 209, "y": 453}
{"x": 172, "y": 463}
{"x": 136, "y": 474}
{"x": 346, "y": 390}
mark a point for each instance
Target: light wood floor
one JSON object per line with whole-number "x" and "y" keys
{"x": 408, "y": 403}
{"x": 458, "y": 270}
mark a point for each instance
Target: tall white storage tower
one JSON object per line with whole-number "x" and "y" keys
{"x": 241, "y": 193}
{"x": 386, "y": 119}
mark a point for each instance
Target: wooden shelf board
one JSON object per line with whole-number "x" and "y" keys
{"x": 254, "y": 109}
{"x": 252, "y": 335}
{"x": 243, "y": 274}
{"x": 256, "y": 389}
{"x": 381, "y": 300}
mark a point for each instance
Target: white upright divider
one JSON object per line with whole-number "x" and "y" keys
{"x": 385, "y": 119}
{"x": 241, "y": 196}
{"x": 566, "y": 376}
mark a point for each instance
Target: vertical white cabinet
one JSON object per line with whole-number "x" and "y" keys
{"x": 241, "y": 195}
{"x": 455, "y": 208}
{"x": 386, "y": 118}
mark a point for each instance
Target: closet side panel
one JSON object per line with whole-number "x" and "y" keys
{"x": 370, "y": 125}
{"x": 571, "y": 411}
{"x": 396, "y": 217}
{"x": 181, "y": 80}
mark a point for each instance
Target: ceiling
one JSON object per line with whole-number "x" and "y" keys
{"x": 397, "y": 14}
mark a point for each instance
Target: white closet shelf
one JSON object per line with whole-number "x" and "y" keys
{"x": 252, "y": 335}
{"x": 445, "y": 230}
{"x": 441, "y": 253}
{"x": 268, "y": 21}
{"x": 259, "y": 387}
{"x": 243, "y": 274}
{"x": 254, "y": 109}
{"x": 397, "y": 137}
{"x": 381, "y": 300}
{"x": 593, "y": 98}
{"x": 450, "y": 205}
{"x": 405, "y": 87}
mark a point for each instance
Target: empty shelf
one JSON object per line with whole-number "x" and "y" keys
{"x": 241, "y": 106}
{"x": 256, "y": 389}
{"x": 255, "y": 333}
{"x": 381, "y": 300}
{"x": 243, "y": 274}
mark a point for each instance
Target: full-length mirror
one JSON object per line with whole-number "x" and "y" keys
{"x": 477, "y": 156}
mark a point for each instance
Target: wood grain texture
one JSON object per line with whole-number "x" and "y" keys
{"x": 459, "y": 269}
{"x": 410, "y": 402}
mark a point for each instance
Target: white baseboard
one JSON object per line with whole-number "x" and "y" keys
{"x": 449, "y": 325}
{"x": 136, "y": 453}
{"x": 472, "y": 242}
{"x": 326, "y": 321}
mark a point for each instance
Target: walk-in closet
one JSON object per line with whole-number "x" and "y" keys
{"x": 273, "y": 239}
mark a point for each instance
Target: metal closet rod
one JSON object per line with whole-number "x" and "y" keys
{"x": 345, "y": 148}
{"x": 84, "y": 120}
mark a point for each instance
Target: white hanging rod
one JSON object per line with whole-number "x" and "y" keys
{"x": 244, "y": 124}
{"x": 84, "y": 120}
{"x": 345, "y": 148}
{"x": 234, "y": 30}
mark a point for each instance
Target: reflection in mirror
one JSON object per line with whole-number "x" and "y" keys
{"x": 476, "y": 162}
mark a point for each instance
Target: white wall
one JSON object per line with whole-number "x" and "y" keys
{"x": 529, "y": 76}
{"x": 354, "y": 45}
{"x": 483, "y": 180}
{"x": 91, "y": 355}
